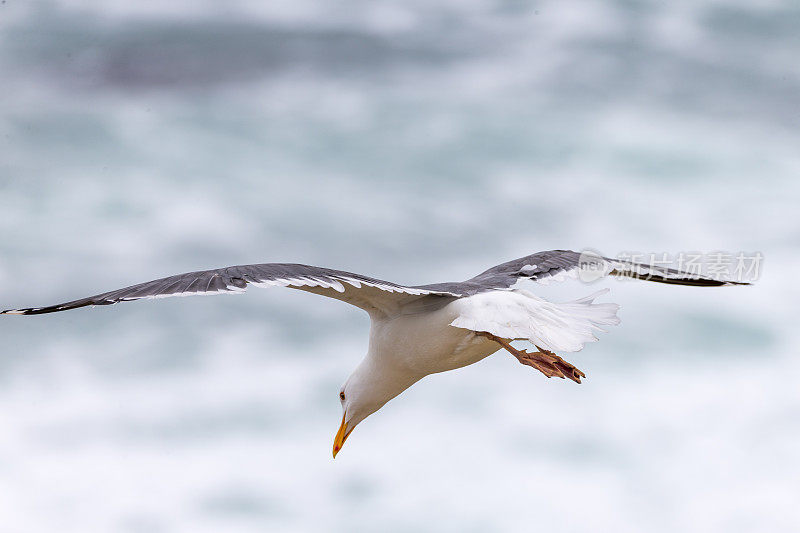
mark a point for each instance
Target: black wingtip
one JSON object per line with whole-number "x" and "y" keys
{"x": 697, "y": 282}
{"x": 689, "y": 281}
{"x": 15, "y": 312}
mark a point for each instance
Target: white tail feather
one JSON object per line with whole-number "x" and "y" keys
{"x": 519, "y": 314}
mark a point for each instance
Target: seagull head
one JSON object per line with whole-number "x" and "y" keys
{"x": 369, "y": 387}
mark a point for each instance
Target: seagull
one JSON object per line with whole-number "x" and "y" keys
{"x": 426, "y": 329}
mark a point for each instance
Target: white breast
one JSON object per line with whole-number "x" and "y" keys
{"x": 444, "y": 339}
{"x": 427, "y": 343}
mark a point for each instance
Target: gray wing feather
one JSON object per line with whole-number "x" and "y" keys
{"x": 371, "y": 294}
{"x": 559, "y": 264}
{"x": 379, "y": 296}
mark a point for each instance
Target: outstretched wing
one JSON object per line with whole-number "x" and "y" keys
{"x": 372, "y": 295}
{"x": 560, "y": 264}
{"x": 557, "y": 265}
{"x": 553, "y": 326}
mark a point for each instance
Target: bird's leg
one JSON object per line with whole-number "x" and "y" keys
{"x": 544, "y": 361}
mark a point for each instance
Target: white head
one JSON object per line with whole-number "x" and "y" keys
{"x": 368, "y": 389}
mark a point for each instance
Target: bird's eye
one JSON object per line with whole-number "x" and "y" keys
{"x": 341, "y": 395}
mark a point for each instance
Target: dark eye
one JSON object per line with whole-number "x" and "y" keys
{"x": 341, "y": 395}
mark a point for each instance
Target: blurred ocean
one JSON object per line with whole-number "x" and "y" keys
{"x": 416, "y": 142}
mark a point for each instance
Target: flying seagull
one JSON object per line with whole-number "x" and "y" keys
{"x": 426, "y": 329}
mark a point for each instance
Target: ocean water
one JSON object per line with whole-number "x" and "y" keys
{"x": 416, "y": 142}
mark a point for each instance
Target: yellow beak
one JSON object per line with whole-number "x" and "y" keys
{"x": 341, "y": 436}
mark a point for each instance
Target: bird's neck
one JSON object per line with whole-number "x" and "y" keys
{"x": 379, "y": 380}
